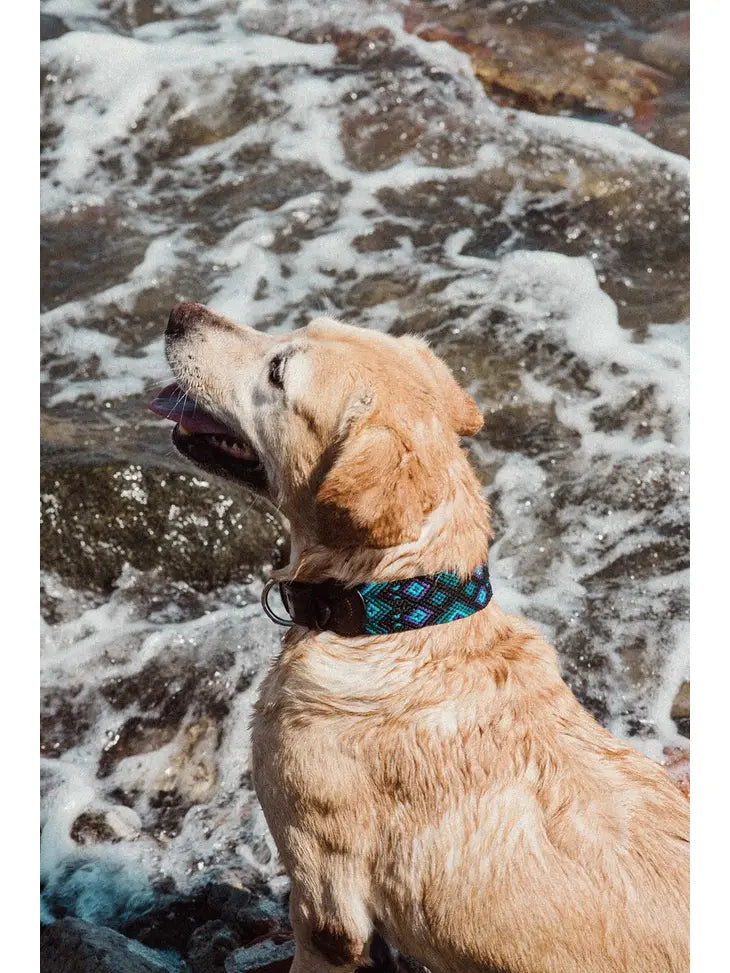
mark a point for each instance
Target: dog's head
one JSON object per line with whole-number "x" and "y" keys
{"x": 351, "y": 432}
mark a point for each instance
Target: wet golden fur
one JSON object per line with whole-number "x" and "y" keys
{"x": 441, "y": 787}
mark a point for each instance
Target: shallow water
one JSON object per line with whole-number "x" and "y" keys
{"x": 275, "y": 166}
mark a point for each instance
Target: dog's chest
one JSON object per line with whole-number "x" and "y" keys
{"x": 332, "y": 735}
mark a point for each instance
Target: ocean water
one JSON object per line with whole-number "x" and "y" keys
{"x": 276, "y": 162}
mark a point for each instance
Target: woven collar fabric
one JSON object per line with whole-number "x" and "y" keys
{"x": 401, "y": 606}
{"x": 385, "y": 607}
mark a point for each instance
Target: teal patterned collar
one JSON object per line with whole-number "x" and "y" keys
{"x": 382, "y": 607}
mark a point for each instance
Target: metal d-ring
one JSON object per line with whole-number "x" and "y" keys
{"x": 288, "y": 622}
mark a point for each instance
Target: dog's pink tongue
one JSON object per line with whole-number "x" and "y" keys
{"x": 173, "y": 404}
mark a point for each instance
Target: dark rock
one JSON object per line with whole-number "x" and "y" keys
{"x": 52, "y": 27}
{"x": 174, "y": 133}
{"x": 137, "y": 13}
{"x": 210, "y": 945}
{"x": 94, "y": 520}
{"x": 366, "y": 48}
{"x": 91, "y": 827}
{"x": 532, "y": 430}
{"x": 219, "y": 208}
{"x": 161, "y": 683}
{"x": 592, "y": 215}
{"x": 90, "y": 236}
{"x": 265, "y": 957}
{"x": 66, "y": 716}
{"x": 680, "y": 709}
{"x": 72, "y": 946}
{"x": 668, "y": 48}
{"x": 380, "y": 288}
{"x": 248, "y": 914}
{"x": 169, "y": 691}
{"x": 385, "y": 235}
{"x": 251, "y": 910}
{"x": 648, "y": 560}
{"x": 137, "y": 735}
{"x": 537, "y": 70}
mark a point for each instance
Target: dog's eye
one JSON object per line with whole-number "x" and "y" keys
{"x": 276, "y": 370}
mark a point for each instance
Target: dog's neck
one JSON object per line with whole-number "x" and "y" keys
{"x": 454, "y": 537}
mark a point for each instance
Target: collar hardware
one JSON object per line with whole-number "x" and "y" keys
{"x": 287, "y": 622}
{"x": 381, "y": 607}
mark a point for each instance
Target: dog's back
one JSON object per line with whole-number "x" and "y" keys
{"x": 487, "y": 821}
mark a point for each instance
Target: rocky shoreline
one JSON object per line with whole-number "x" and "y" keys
{"x": 220, "y": 929}
{"x": 422, "y": 206}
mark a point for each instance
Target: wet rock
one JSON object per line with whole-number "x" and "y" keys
{"x": 91, "y": 827}
{"x": 137, "y": 13}
{"x": 210, "y": 945}
{"x": 670, "y": 131}
{"x": 165, "y": 683}
{"x": 95, "y": 520}
{"x": 620, "y": 222}
{"x": 385, "y": 235}
{"x": 301, "y": 223}
{"x": 647, "y": 560}
{"x": 653, "y": 484}
{"x": 257, "y": 181}
{"x": 192, "y": 772}
{"x": 137, "y": 735}
{"x": 668, "y": 48}
{"x": 265, "y": 957}
{"x": 379, "y": 139}
{"x": 71, "y": 946}
{"x": 380, "y": 288}
{"x": 181, "y": 129}
{"x": 532, "y": 430}
{"x": 680, "y": 709}
{"x": 168, "y": 684}
{"x": 397, "y": 113}
{"x": 676, "y": 764}
{"x": 173, "y": 695}
{"x": 535, "y": 70}
{"x": 640, "y": 409}
{"x": 204, "y": 922}
{"x": 575, "y": 58}
{"x": 52, "y": 27}
{"x": 86, "y": 236}
{"x": 66, "y": 716}
{"x": 363, "y": 48}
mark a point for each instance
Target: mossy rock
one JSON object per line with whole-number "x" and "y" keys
{"x": 96, "y": 519}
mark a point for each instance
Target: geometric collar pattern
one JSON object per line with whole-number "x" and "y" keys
{"x": 381, "y": 607}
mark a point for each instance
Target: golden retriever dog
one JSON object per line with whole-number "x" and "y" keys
{"x": 440, "y": 787}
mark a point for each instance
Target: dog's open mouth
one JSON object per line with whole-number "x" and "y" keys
{"x": 206, "y": 441}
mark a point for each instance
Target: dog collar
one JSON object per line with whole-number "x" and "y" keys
{"x": 381, "y": 607}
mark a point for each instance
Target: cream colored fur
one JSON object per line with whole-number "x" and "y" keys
{"x": 441, "y": 787}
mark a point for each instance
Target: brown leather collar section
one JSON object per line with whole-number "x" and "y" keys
{"x": 325, "y": 605}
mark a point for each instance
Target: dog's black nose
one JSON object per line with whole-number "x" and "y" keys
{"x": 181, "y": 317}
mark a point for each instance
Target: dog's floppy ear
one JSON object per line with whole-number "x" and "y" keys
{"x": 376, "y": 494}
{"x": 462, "y": 411}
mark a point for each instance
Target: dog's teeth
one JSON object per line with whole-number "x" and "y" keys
{"x": 232, "y": 447}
